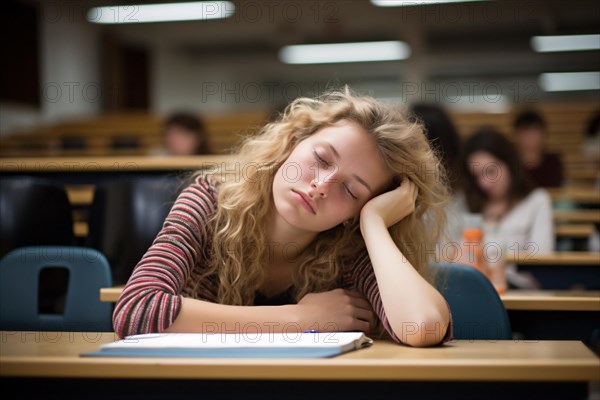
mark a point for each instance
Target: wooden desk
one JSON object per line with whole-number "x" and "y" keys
{"x": 561, "y": 270}
{"x": 110, "y": 295}
{"x": 583, "y": 258}
{"x": 579, "y": 195}
{"x": 583, "y": 173}
{"x": 576, "y": 231}
{"x": 56, "y": 355}
{"x": 80, "y": 195}
{"x": 556, "y": 300}
{"x": 81, "y": 229}
{"x": 109, "y": 164}
{"x": 551, "y": 300}
{"x": 534, "y": 314}
{"x": 592, "y": 216}
{"x": 554, "y": 315}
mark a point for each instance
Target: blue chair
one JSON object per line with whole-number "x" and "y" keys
{"x": 88, "y": 271}
{"x": 477, "y": 311}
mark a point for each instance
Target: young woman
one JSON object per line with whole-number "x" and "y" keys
{"x": 323, "y": 222}
{"x": 497, "y": 187}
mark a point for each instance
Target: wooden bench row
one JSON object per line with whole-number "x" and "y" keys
{"x": 122, "y": 134}
{"x": 137, "y": 134}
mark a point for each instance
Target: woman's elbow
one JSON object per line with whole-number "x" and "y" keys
{"x": 426, "y": 332}
{"x": 122, "y": 323}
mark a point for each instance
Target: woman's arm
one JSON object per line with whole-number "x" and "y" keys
{"x": 417, "y": 313}
{"x": 334, "y": 310}
{"x": 198, "y": 316}
{"x": 152, "y": 299}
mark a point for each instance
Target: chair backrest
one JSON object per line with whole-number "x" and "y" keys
{"x": 88, "y": 271}
{"x": 33, "y": 212}
{"x": 477, "y": 310}
{"x": 126, "y": 216}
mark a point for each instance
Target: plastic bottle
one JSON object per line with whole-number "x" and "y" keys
{"x": 472, "y": 248}
{"x": 472, "y": 242}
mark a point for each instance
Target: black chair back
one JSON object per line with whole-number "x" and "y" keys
{"x": 34, "y": 212}
{"x": 125, "y": 217}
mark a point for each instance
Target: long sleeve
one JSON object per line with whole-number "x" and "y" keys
{"x": 359, "y": 275}
{"x": 542, "y": 225}
{"x": 151, "y": 299}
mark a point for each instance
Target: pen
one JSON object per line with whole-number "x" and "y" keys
{"x": 311, "y": 331}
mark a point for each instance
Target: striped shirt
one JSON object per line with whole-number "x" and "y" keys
{"x": 171, "y": 267}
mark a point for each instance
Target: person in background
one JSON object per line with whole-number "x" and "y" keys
{"x": 184, "y": 134}
{"x": 319, "y": 234}
{"x": 443, "y": 137}
{"x": 496, "y": 188}
{"x": 545, "y": 168}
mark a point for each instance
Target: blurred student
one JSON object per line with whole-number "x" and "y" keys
{"x": 443, "y": 137}
{"x": 184, "y": 134}
{"x": 546, "y": 169}
{"x": 496, "y": 188}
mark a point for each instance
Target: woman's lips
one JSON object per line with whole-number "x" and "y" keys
{"x": 305, "y": 201}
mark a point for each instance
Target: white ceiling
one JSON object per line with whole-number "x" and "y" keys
{"x": 484, "y": 42}
{"x": 479, "y": 40}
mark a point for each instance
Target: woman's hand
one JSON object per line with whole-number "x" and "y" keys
{"x": 392, "y": 206}
{"x": 335, "y": 310}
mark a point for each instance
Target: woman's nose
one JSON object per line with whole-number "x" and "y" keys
{"x": 319, "y": 187}
{"x": 323, "y": 185}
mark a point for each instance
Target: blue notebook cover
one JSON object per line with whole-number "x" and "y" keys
{"x": 235, "y": 345}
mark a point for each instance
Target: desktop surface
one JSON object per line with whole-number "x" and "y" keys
{"x": 57, "y": 355}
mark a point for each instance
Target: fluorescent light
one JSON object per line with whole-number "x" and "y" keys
{"x": 567, "y": 81}
{"x": 543, "y": 44}
{"x": 344, "y": 52}
{"x": 403, "y": 3}
{"x": 132, "y": 14}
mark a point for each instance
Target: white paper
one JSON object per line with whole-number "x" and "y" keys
{"x": 337, "y": 340}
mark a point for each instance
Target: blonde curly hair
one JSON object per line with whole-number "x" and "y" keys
{"x": 239, "y": 241}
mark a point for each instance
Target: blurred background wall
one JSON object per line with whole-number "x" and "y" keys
{"x": 66, "y": 61}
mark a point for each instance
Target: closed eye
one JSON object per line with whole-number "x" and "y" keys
{"x": 347, "y": 189}
{"x": 320, "y": 159}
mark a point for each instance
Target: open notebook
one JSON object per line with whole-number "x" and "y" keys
{"x": 235, "y": 345}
